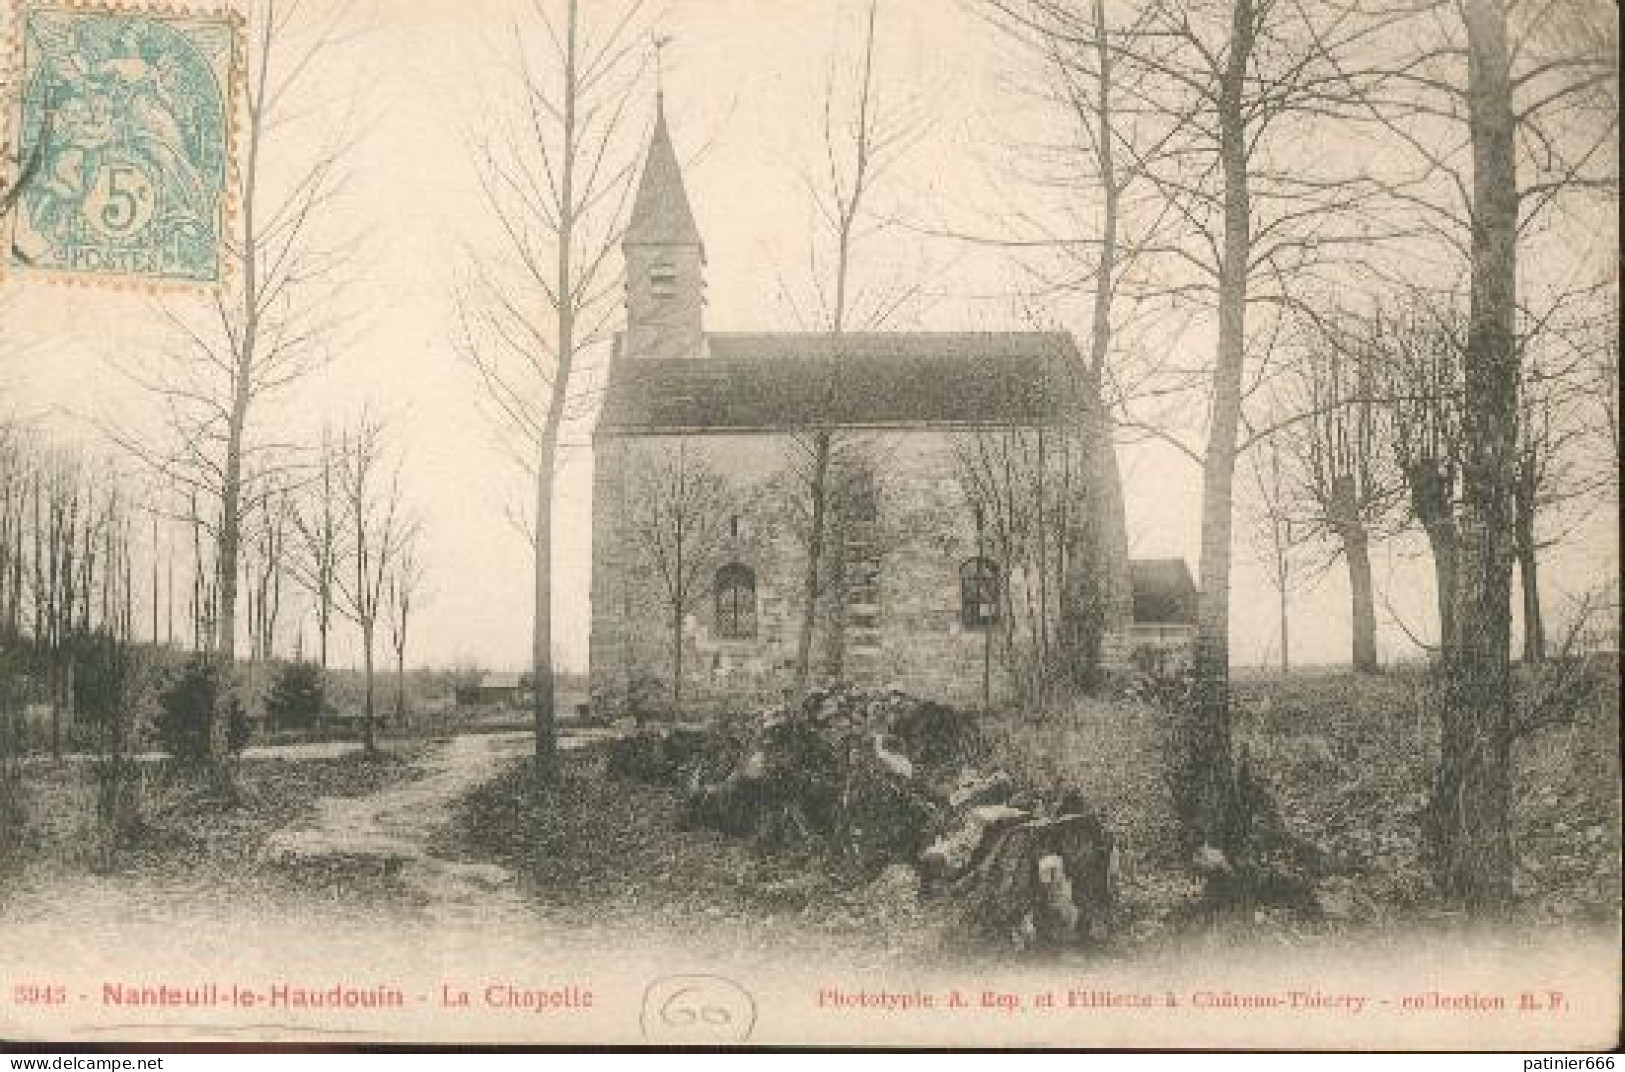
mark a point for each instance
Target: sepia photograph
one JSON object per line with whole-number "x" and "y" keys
{"x": 1008, "y": 524}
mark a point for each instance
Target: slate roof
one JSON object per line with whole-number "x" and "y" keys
{"x": 1164, "y": 593}
{"x": 660, "y": 213}
{"x": 763, "y": 382}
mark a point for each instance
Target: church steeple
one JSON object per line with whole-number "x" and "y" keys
{"x": 661, "y": 214}
{"x": 665, "y": 257}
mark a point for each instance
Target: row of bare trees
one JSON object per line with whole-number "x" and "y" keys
{"x": 1372, "y": 445}
{"x": 255, "y": 508}
{"x": 67, "y": 562}
{"x": 264, "y": 509}
{"x": 1277, "y": 158}
{"x": 83, "y": 545}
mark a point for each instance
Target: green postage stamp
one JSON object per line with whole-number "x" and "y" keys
{"x": 124, "y": 119}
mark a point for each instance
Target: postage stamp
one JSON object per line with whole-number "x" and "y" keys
{"x": 124, "y": 121}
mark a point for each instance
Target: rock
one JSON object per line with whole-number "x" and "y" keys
{"x": 1058, "y": 904}
{"x": 974, "y": 788}
{"x": 952, "y": 854}
{"x": 1209, "y": 860}
{"x": 1047, "y": 879}
{"x": 898, "y": 886}
{"x": 897, "y": 764}
{"x": 1336, "y": 896}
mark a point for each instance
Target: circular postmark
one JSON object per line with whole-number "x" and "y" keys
{"x": 697, "y": 1010}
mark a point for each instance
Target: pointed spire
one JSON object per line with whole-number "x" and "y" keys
{"x": 661, "y": 213}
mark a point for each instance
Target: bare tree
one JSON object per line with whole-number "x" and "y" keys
{"x": 1275, "y": 532}
{"x": 58, "y": 488}
{"x": 1469, "y": 820}
{"x": 1422, "y": 348}
{"x": 1347, "y": 477}
{"x": 205, "y": 586}
{"x": 66, "y": 562}
{"x": 1505, "y": 129}
{"x": 318, "y": 522}
{"x": 1553, "y": 473}
{"x": 17, "y": 458}
{"x": 860, "y": 144}
{"x": 378, "y": 527}
{"x": 557, "y": 178}
{"x": 1101, "y": 241}
{"x": 264, "y": 563}
{"x": 1231, "y": 98}
{"x": 682, "y": 518}
{"x": 404, "y": 592}
{"x": 836, "y": 502}
{"x": 276, "y": 321}
{"x": 1022, "y": 484}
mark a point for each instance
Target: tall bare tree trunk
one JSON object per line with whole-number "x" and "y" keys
{"x": 1362, "y": 606}
{"x": 1528, "y": 552}
{"x": 1286, "y": 636}
{"x": 231, "y": 522}
{"x": 1439, "y": 522}
{"x": 543, "y": 714}
{"x": 1091, "y": 585}
{"x": 1469, "y": 820}
{"x": 369, "y": 738}
{"x": 677, "y": 659}
{"x": 849, "y": 201}
{"x": 811, "y": 580}
{"x": 155, "y": 636}
{"x": 541, "y": 655}
{"x": 1203, "y": 769}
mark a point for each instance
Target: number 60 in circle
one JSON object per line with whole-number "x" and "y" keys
{"x": 697, "y": 1010}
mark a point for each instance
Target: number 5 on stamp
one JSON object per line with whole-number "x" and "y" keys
{"x": 124, "y": 120}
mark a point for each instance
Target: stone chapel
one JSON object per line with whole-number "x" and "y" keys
{"x": 951, "y": 478}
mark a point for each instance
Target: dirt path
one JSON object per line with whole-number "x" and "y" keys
{"x": 396, "y": 827}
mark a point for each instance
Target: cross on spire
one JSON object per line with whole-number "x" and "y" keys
{"x": 660, "y": 40}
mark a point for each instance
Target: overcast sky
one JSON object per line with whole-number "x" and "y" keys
{"x": 744, "y": 90}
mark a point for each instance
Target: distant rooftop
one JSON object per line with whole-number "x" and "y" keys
{"x": 1164, "y": 593}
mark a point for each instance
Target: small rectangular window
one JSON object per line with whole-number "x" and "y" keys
{"x": 735, "y": 590}
{"x": 663, "y": 281}
{"x": 979, "y": 593}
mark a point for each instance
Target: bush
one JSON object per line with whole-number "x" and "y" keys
{"x": 297, "y": 696}
{"x": 14, "y": 815}
{"x": 107, "y": 677}
{"x": 13, "y": 811}
{"x": 186, "y": 706}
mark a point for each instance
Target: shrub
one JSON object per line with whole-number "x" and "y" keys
{"x": 108, "y": 687}
{"x": 186, "y": 706}
{"x": 107, "y": 681}
{"x": 13, "y": 811}
{"x": 13, "y": 805}
{"x": 298, "y": 693}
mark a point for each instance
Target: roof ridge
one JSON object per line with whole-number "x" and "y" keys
{"x": 1059, "y": 333}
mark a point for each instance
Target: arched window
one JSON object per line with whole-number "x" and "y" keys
{"x": 978, "y": 593}
{"x": 736, "y": 602}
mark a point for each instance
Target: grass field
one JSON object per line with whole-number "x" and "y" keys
{"x": 1350, "y": 759}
